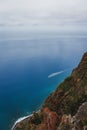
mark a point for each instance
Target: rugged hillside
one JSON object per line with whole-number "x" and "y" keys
{"x": 66, "y": 107}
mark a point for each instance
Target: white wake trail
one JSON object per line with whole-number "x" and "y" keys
{"x": 55, "y": 74}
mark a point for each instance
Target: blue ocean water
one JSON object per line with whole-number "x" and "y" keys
{"x": 25, "y": 64}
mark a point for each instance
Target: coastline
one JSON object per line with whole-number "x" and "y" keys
{"x": 22, "y": 119}
{"x": 26, "y": 117}
{"x": 19, "y": 120}
{"x": 58, "y": 109}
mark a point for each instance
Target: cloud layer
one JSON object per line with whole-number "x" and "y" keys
{"x": 43, "y": 12}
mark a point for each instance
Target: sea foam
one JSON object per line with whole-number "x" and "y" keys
{"x": 19, "y": 120}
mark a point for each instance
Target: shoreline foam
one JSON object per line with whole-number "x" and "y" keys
{"x": 20, "y": 119}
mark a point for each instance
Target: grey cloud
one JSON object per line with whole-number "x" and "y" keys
{"x": 42, "y": 12}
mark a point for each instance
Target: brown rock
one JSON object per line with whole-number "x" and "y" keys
{"x": 50, "y": 119}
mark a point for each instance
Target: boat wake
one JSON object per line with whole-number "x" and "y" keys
{"x": 55, "y": 74}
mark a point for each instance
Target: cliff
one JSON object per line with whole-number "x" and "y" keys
{"x": 66, "y": 107}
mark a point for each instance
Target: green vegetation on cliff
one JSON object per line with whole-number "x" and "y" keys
{"x": 71, "y": 93}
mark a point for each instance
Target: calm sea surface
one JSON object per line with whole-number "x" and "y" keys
{"x": 25, "y": 64}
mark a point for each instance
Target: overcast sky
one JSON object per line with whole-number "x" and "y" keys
{"x": 43, "y": 12}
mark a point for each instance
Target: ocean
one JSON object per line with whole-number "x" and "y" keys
{"x": 31, "y": 67}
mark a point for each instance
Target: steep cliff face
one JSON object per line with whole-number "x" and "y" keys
{"x": 72, "y": 92}
{"x": 60, "y": 109}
